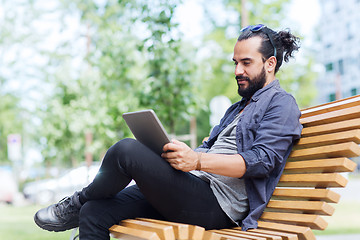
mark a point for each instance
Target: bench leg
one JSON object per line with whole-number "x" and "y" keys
{"x": 74, "y": 235}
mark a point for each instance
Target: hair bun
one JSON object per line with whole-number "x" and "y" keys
{"x": 290, "y": 43}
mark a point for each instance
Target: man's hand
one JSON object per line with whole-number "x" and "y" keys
{"x": 180, "y": 156}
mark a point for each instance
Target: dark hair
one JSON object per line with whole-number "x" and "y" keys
{"x": 284, "y": 41}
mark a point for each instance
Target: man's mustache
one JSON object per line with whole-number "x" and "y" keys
{"x": 242, "y": 78}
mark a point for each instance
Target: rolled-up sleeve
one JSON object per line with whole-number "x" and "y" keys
{"x": 273, "y": 136}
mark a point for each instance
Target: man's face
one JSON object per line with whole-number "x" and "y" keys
{"x": 250, "y": 72}
{"x": 253, "y": 84}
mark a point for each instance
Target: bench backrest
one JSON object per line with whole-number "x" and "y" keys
{"x": 331, "y": 136}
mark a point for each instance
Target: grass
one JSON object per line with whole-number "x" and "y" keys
{"x": 17, "y": 222}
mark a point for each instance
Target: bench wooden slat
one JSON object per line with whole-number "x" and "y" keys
{"x": 329, "y": 139}
{"x": 237, "y": 235}
{"x": 182, "y": 231}
{"x": 329, "y": 117}
{"x": 322, "y": 180}
{"x": 295, "y": 206}
{"x": 126, "y": 233}
{"x": 304, "y": 233}
{"x": 196, "y": 232}
{"x": 165, "y": 232}
{"x": 283, "y": 235}
{"x": 331, "y": 127}
{"x": 321, "y": 166}
{"x": 212, "y": 236}
{"x": 251, "y": 234}
{"x": 306, "y": 194}
{"x": 308, "y": 220}
{"x": 331, "y": 106}
{"x": 348, "y": 150}
{"x": 227, "y": 237}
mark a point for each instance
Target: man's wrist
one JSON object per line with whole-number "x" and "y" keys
{"x": 198, "y": 164}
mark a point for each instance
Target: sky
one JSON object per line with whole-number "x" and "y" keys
{"x": 306, "y": 13}
{"x": 303, "y": 15}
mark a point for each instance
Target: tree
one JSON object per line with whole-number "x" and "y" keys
{"x": 90, "y": 97}
{"x": 73, "y": 109}
{"x": 16, "y": 62}
{"x": 170, "y": 84}
{"x": 122, "y": 70}
{"x": 10, "y": 121}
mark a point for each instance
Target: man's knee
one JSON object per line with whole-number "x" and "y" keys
{"x": 123, "y": 146}
{"x": 120, "y": 149}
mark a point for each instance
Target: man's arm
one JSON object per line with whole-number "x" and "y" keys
{"x": 182, "y": 157}
{"x": 275, "y": 134}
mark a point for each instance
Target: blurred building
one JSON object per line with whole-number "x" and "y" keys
{"x": 340, "y": 49}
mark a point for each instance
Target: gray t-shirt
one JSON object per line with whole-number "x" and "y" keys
{"x": 230, "y": 192}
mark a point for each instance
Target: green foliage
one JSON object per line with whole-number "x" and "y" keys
{"x": 10, "y": 121}
{"x": 168, "y": 88}
{"x": 260, "y": 11}
{"x": 125, "y": 56}
{"x": 73, "y": 109}
{"x": 12, "y": 113}
{"x": 299, "y": 79}
{"x": 90, "y": 98}
{"x": 124, "y": 70}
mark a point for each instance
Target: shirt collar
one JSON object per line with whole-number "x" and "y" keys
{"x": 273, "y": 84}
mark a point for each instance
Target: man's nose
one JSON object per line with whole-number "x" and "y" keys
{"x": 239, "y": 70}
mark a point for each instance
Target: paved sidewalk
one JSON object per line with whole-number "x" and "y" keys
{"x": 339, "y": 237}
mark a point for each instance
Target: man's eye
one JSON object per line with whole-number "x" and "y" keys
{"x": 235, "y": 63}
{"x": 246, "y": 63}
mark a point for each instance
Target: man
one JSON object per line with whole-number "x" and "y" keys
{"x": 225, "y": 182}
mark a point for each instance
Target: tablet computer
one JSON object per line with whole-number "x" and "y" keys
{"x": 147, "y": 129}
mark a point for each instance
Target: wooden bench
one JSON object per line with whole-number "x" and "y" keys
{"x": 330, "y": 137}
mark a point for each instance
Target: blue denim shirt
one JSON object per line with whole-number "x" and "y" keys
{"x": 265, "y": 135}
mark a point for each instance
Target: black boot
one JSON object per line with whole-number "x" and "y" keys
{"x": 61, "y": 216}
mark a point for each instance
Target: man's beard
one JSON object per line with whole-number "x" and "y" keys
{"x": 255, "y": 84}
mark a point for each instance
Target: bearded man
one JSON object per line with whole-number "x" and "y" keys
{"x": 225, "y": 182}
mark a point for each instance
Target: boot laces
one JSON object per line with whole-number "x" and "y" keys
{"x": 66, "y": 206}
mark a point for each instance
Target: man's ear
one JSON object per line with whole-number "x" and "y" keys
{"x": 270, "y": 64}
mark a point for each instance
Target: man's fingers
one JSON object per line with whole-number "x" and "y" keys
{"x": 175, "y": 141}
{"x": 166, "y": 155}
{"x": 167, "y": 147}
{"x": 172, "y": 146}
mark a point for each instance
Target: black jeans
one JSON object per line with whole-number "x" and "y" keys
{"x": 161, "y": 192}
